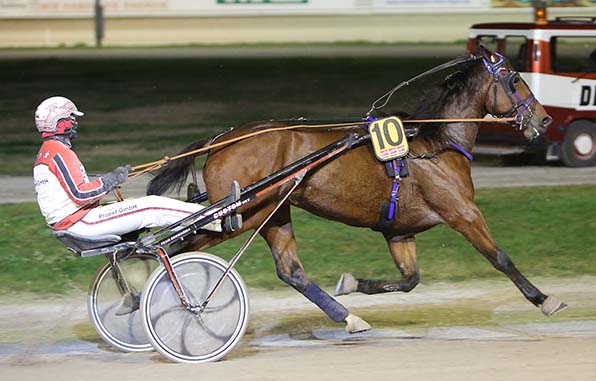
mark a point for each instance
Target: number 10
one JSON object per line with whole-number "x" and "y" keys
{"x": 386, "y": 135}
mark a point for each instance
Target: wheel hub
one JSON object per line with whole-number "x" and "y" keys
{"x": 584, "y": 144}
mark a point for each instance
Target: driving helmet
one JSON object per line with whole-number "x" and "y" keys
{"x": 55, "y": 116}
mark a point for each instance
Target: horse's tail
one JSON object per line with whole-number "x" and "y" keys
{"x": 175, "y": 172}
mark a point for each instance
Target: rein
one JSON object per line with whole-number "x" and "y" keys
{"x": 141, "y": 169}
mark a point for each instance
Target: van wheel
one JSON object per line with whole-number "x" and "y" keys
{"x": 579, "y": 147}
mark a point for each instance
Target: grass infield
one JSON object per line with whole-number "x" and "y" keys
{"x": 547, "y": 231}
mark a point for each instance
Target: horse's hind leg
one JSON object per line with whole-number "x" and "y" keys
{"x": 403, "y": 251}
{"x": 473, "y": 227}
{"x": 280, "y": 237}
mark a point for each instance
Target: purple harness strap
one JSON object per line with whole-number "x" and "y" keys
{"x": 462, "y": 150}
{"x": 396, "y": 165}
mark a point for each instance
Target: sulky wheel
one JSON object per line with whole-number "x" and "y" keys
{"x": 182, "y": 335}
{"x": 578, "y": 149}
{"x": 113, "y": 312}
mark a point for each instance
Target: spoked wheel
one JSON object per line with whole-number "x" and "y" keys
{"x": 114, "y": 315}
{"x": 188, "y": 336}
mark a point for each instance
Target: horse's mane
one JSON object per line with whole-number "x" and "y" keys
{"x": 436, "y": 99}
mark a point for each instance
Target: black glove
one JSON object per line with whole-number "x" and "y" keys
{"x": 117, "y": 177}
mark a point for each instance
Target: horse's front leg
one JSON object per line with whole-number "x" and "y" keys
{"x": 280, "y": 237}
{"x": 403, "y": 251}
{"x": 469, "y": 221}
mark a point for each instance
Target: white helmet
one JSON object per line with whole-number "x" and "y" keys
{"x": 52, "y": 110}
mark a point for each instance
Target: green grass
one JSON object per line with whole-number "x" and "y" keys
{"x": 139, "y": 110}
{"x": 546, "y": 231}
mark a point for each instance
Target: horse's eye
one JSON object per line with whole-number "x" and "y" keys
{"x": 513, "y": 81}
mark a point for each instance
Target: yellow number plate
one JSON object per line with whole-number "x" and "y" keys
{"x": 388, "y": 138}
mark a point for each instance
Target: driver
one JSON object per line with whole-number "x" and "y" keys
{"x": 69, "y": 201}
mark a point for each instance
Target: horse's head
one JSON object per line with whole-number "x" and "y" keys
{"x": 509, "y": 96}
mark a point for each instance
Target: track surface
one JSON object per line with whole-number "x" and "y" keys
{"x": 537, "y": 349}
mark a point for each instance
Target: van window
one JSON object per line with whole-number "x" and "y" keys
{"x": 488, "y": 41}
{"x": 573, "y": 54}
{"x": 516, "y": 51}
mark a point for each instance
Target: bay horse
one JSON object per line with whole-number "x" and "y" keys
{"x": 352, "y": 188}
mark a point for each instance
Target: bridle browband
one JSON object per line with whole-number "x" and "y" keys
{"x": 522, "y": 108}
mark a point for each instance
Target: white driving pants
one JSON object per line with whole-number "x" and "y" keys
{"x": 134, "y": 214}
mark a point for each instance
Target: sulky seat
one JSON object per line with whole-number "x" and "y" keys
{"x": 78, "y": 243}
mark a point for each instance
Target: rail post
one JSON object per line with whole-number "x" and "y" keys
{"x": 99, "y": 23}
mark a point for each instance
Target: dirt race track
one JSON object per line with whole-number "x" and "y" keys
{"x": 553, "y": 359}
{"x": 52, "y": 346}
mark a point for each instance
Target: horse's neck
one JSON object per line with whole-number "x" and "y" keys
{"x": 464, "y": 106}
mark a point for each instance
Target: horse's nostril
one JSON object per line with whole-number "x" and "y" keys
{"x": 546, "y": 121}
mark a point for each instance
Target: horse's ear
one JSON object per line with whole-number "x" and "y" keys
{"x": 482, "y": 51}
{"x": 479, "y": 49}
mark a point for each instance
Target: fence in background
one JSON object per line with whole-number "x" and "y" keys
{"x": 50, "y": 23}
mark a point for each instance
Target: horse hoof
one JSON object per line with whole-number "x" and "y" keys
{"x": 552, "y": 305}
{"x": 346, "y": 284}
{"x": 356, "y": 324}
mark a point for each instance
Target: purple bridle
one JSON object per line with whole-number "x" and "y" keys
{"x": 522, "y": 108}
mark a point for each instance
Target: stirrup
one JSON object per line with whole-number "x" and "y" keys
{"x": 233, "y": 222}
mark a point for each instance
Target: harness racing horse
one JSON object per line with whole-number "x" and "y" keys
{"x": 352, "y": 188}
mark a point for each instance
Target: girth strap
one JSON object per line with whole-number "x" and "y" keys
{"x": 397, "y": 169}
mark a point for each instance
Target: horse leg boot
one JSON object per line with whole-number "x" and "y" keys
{"x": 403, "y": 251}
{"x": 475, "y": 230}
{"x": 280, "y": 237}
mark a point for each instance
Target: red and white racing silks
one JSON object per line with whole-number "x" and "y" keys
{"x": 69, "y": 201}
{"x": 64, "y": 192}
